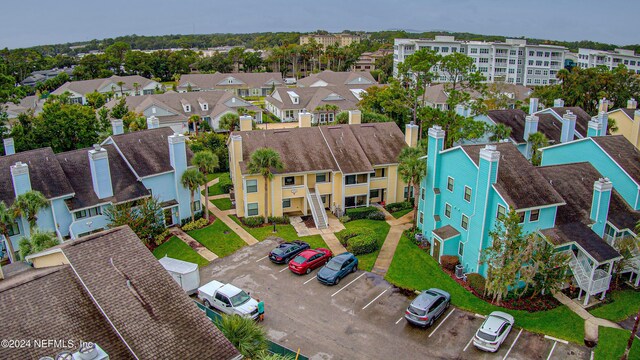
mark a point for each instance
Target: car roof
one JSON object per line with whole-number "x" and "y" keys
{"x": 425, "y": 299}
{"x": 309, "y": 253}
{"x": 492, "y": 324}
{"x": 342, "y": 257}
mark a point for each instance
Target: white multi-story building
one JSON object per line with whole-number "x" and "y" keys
{"x": 588, "y": 58}
{"x": 513, "y": 61}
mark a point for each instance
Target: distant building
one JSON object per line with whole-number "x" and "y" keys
{"x": 338, "y": 78}
{"x": 28, "y": 103}
{"x": 241, "y": 84}
{"x": 513, "y": 61}
{"x": 628, "y": 122}
{"x": 588, "y": 58}
{"x": 436, "y": 96}
{"x": 331, "y": 39}
{"x": 367, "y": 61}
{"x": 43, "y": 75}
{"x": 133, "y": 85}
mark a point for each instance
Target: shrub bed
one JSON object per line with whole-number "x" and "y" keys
{"x": 253, "y": 221}
{"x": 361, "y": 212}
{"x": 346, "y": 234}
{"x": 283, "y": 220}
{"x": 378, "y": 215}
{"x": 449, "y": 262}
{"x": 194, "y": 225}
{"x": 225, "y": 184}
{"x": 358, "y": 241}
{"x": 403, "y": 205}
{"x": 476, "y": 282}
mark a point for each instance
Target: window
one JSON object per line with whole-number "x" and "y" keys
{"x": 321, "y": 178}
{"x": 502, "y": 212}
{"x": 356, "y": 179}
{"x": 539, "y": 53}
{"x": 521, "y": 216}
{"x": 531, "y": 53}
{"x": 80, "y": 214}
{"x": 422, "y": 193}
{"x": 484, "y": 51}
{"x": 465, "y": 222}
{"x": 460, "y": 249}
{"x": 447, "y": 210}
{"x": 252, "y": 186}
{"x": 252, "y": 209}
{"x": 445, "y": 50}
{"x": 286, "y": 203}
{"x": 467, "y": 194}
{"x": 534, "y": 215}
{"x": 421, "y": 217}
{"x": 196, "y": 205}
{"x": 374, "y": 193}
{"x": 450, "y": 183}
{"x": 408, "y": 191}
{"x": 350, "y": 179}
{"x": 14, "y": 229}
{"x": 484, "y": 60}
{"x": 288, "y": 114}
{"x": 380, "y": 173}
{"x": 474, "y": 51}
{"x": 289, "y": 181}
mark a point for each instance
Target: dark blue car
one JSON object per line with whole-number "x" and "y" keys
{"x": 287, "y": 251}
{"x": 337, "y": 268}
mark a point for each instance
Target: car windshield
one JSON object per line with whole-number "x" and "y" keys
{"x": 417, "y": 311}
{"x": 277, "y": 251}
{"x": 240, "y": 298}
{"x": 485, "y": 336}
{"x": 334, "y": 265}
{"x": 299, "y": 259}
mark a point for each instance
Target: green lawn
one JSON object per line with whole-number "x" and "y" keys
{"x": 215, "y": 176}
{"x": 286, "y": 232}
{"x": 222, "y": 204}
{"x": 412, "y": 268}
{"x": 613, "y": 342}
{"x": 625, "y": 303}
{"x": 401, "y": 213}
{"x": 177, "y": 249}
{"x": 218, "y": 238}
{"x": 381, "y": 228}
{"x": 216, "y": 189}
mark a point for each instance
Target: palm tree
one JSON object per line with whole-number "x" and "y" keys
{"x": 192, "y": 179}
{"x": 6, "y": 220}
{"x": 230, "y": 121}
{"x": 121, "y": 85}
{"x": 412, "y": 169}
{"x": 263, "y": 161}
{"x": 27, "y": 206}
{"x": 538, "y": 140}
{"x": 195, "y": 120}
{"x": 136, "y": 87}
{"x": 38, "y": 241}
{"x": 207, "y": 162}
{"x": 500, "y": 132}
{"x": 245, "y": 334}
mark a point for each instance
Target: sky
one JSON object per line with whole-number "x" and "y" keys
{"x": 27, "y": 23}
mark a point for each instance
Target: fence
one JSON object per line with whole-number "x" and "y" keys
{"x": 274, "y": 348}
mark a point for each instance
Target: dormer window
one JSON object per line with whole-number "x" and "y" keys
{"x": 187, "y": 108}
{"x": 295, "y": 98}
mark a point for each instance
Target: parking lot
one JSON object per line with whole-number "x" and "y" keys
{"x": 363, "y": 316}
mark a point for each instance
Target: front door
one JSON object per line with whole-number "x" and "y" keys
{"x": 435, "y": 250}
{"x": 168, "y": 217}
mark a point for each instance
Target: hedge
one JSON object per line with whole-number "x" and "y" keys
{"x": 364, "y": 243}
{"x": 346, "y": 234}
{"x": 476, "y": 282}
{"x": 378, "y": 215}
{"x": 449, "y": 262}
{"x": 361, "y": 212}
{"x": 284, "y": 220}
{"x": 253, "y": 221}
{"x": 195, "y": 225}
{"x": 403, "y": 205}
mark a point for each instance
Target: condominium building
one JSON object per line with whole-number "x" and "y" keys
{"x": 588, "y": 58}
{"x": 513, "y": 61}
{"x": 331, "y": 39}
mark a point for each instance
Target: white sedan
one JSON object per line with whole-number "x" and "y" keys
{"x": 494, "y": 331}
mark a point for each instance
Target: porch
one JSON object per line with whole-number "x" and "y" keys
{"x": 591, "y": 277}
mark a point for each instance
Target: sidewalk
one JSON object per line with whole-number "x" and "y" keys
{"x": 333, "y": 243}
{"x": 389, "y": 248}
{"x": 591, "y": 323}
{"x": 199, "y": 248}
{"x": 224, "y": 217}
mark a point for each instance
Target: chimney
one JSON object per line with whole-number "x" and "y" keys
{"x": 632, "y": 104}
{"x": 246, "y": 123}
{"x": 411, "y": 134}
{"x": 9, "y": 147}
{"x": 595, "y": 128}
{"x": 558, "y": 103}
{"x": 568, "y": 127}
{"x": 355, "y": 117}
{"x": 153, "y": 122}
{"x": 533, "y": 105}
{"x": 117, "y": 126}
{"x": 304, "y": 119}
{"x": 178, "y": 160}
{"x": 603, "y": 105}
{"x": 603, "y": 119}
{"x": 100, "y": 172}
{"x": 600, "y": 205}
{"x": 20, "y": 177}
{"x": 530, "y": 127}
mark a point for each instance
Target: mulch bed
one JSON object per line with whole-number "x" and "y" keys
{"x": 308, "y": 221}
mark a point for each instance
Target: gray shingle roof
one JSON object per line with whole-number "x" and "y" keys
{"x": 212, "y": 81}
{"x": 338, "y": 78}
{"x": 622, "y": 152}
{"x": 312, "y": 97}
{"x": 88, "y": 86}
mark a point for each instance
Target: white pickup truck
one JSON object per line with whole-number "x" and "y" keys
{"x": 228, "y": 299}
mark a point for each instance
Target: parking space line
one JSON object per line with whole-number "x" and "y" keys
{"x": 286, "y": 268}
{"x": 305, "y": 283}
{"x": 352, "y": 281}
{"x": 556, "y": 339}
{"x": 376, "y": 298}
{"x": 514, "y": 342}
{"x": 552, "y": 348}
{"x": 442, "y": 322}
{"x": 469, "y": 343}
{"x": 399, "y": 320}
{"x": 262, "y": 258}
{"x": 480, "y": 316}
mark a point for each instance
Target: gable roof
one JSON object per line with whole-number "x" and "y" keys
{"x": 45, "y": 174}
{"x": 312, "y": 97}
{"x": 347, "y": 148}
{"x": 338, "y": 78}
{"x": 518, "y": 182}
{"x": 213, "y": 81}
{"x": 582, "y": 120}
{"x": 88, "y": 86}
{"x": 142, "y": 303}
{"x": 622, "y": 152}
{"x": 513, "y": 118}
{"x": 141, "y": 150}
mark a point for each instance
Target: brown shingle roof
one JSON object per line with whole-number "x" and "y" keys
{"x": 518, "y": 181}
{"x": 212, "y": 81}
{"x": 582, "y": 118}
{"x": 622, "y": 152}
{"x": 334, "y": 78}
{"x": 582, "y": 235}
{"x": 312, "y": 97}
{"x": 350, "y": 157}
{"x": 446, "y": 232}
{"x": 370, "y": 136}
{"x": 513, "y": 118}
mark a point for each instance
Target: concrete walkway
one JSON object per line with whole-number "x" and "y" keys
{"x": 389, "y": 248}
{"x": 405, "y": 219}
{"x": 591, "y": 323}
{"x": 333, "y": 243}
{"x": 224, "y": 217}
{"x": 193, "y": 243}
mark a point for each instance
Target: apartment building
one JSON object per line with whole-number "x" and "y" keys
{"x": 367, "y": 61}
{"x": 628, "y": 122}
{"x": 331, "y": 39}
{"x": 513, "y": 61}
{"x": 330, "y": 168}
{"x": 588, "y": 58}
{"x": 239, "y": 83}
{"x": 117, "y": 86}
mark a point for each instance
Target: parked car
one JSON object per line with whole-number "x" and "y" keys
{"x": 427, "y": 307}
{"x": 494, "y": 331}
{"x": 228, "y": 299}
{"x": 287, "y": 251}
{"x": 309, "y": 260}
{"x": 337, "y": 268}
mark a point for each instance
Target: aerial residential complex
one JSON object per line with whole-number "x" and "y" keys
{"x": 513, "y": 61}
{"x": 588, "y": 58}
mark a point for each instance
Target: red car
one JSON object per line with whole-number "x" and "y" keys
{"x": 309, "y": 260}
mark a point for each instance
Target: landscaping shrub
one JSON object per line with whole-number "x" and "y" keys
{"x": 284, "y": 220}
{"x": 361, "y": 212}
{"x": 225, "y": 183}
{"x": 346, "y": 234}
{"x": 363, "y": 243}
{"x": 378, "y": 215}
{"x": 449, "y": 262}
{"x": 162, "y": 237}
{"x": 476, "y": 282}
{"x": 344, "y": 219}
{"x": 195, "y": 225}
{"x": 253, "y": 221}
{"x": 403, "y": 205}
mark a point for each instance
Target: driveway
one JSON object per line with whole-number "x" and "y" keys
{"x": 363, "y": 317}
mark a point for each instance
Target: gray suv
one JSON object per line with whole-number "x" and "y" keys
{"x": 427, "y": 307}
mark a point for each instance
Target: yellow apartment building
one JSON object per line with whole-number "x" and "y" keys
{"x": 326, "y": 168}
{"x": 628, "y": 122}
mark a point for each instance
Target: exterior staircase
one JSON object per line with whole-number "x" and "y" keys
{"x": 317, "y": 209}
{"x": 582, "y": 273}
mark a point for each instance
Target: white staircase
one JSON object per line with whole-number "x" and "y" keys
{"x": 317, "y": 209}
{"x": 582, "y": 272}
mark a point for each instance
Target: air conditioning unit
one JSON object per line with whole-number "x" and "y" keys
{"x": 459, "y": 271}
